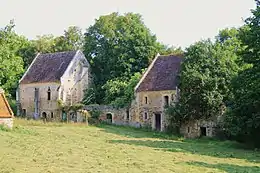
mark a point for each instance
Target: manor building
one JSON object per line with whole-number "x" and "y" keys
{"x": 52, "y": 77}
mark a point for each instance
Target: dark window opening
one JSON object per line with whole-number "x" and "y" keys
{"x": 52, "y": 115}
{"x": 127, "y": 114}
{"x": 203, "y": 131}
{"x": 166, "y": 100}
{"x": 146, "y": 100}
{"x": 109, "y": 117}
{"x": 145, "y": 116}
{"x": 24, "y": 112}
{"x": 188, "y": 129}
{"x": 49, "y": 93}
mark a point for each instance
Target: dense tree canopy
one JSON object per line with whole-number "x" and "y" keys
{"x": 117, "y": 46}
{"x": 11, "y": 66}
{"x": 244, "y": 118}
{"x": 72, "y": 39}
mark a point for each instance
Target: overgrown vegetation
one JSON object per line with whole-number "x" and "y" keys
{"x": 220, "y": 76}
{"x": 118, "y": 48}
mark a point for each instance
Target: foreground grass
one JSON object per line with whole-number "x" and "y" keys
{"x": 54, "y": 147}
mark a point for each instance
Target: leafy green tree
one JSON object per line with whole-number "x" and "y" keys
{"x": 126, "y": 95}
{"x": 243, "y": 121}
{"x": 205, "y": 78}
{"x": 171, "y": 50}
{"x": 11, "y": 66}
{"x": 117, "y": 46}
{"x": 72, "y": 39}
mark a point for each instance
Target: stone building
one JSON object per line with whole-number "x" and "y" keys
{"x": 156, "y": 89}
{"x": 51, "y": 77}
{"x": 6, "y": 113}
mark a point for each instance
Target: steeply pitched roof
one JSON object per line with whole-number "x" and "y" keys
{"x": 5, "y": 110}
{"x": 48, "y": 67}
{"x": 161, "y": 74}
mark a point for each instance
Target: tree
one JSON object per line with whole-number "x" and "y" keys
{"x": 243, "y": 121}
{"x": 171, "y": 50}
{"x": 72, "y": 39}
{"x": 117, "y": 46}
{"x": 205, "y": 77}
{"x": 125, "y": 98}
{"x": 11, "y": 66}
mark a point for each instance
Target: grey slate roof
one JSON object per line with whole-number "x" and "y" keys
{"x": 162, "y": 75}
{"x": 48, "y": 67}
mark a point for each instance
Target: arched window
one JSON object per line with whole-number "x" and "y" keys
{"x": 49, "y": 94}
{"x": 51, "y": 114}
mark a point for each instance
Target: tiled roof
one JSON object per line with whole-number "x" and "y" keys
{"x": 161, "y": 75}
{"x": 5, "y": 110}
{"x": 48, "y": 67}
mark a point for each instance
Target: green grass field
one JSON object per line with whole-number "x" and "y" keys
{"x": 35, "y": 147}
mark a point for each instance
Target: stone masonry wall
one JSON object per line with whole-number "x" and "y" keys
{"x": 26, "y": 98}
{"x": 7, "y": 121}
{"x": 145, "y": 111}
{"x": 192, "y": 129}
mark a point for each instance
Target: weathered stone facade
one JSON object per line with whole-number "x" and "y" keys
{"x": 149, "y": 108}
{"x": 28, "y": 102}
{"x": 39, "y": 90}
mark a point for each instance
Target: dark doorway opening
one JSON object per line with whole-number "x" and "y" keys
{"x": 24, "y": 113}
{"x": 203, "y": 131}
{"x": 44, "y": 116}
{"x": 109, "y": 117}
{"x": 158, "y": 122}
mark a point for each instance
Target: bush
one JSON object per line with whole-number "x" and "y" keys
{"x": 94, "y": 117}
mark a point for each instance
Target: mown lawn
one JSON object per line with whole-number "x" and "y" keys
{"x": 35, "y": 147}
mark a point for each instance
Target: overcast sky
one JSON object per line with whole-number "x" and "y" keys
{"x": 175, "y": 22}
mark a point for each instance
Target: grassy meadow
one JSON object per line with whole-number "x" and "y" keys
{"x": 54, "y": 147}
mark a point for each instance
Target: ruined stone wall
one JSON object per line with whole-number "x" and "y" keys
{"x": 192, "y": 129}
{"x": 119, "y": 116}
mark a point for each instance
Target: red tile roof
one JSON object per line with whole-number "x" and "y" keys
{"x": 48, "y": 67}
{"x": 161, "y": 75}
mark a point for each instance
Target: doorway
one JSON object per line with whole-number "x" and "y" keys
{"x": 44, "y": 117}
{"x": 203, "y": 131}
{"x": 109, "y": 117}
{"x": 158, "y": 122}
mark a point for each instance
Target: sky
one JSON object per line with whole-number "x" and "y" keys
{"x": 175, "y": 22}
